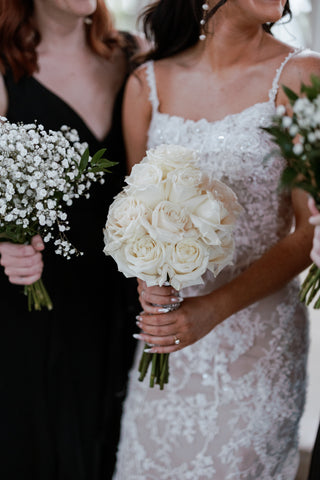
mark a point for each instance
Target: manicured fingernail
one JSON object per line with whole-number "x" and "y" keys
{"x": 150, "y": 350}
{"x": 138, "y": 317}
{"x": 163, "y": 310}
{"x": 139, "y": 324}
{"x": 137, "y": 336}
{"x": 176, "y": 299}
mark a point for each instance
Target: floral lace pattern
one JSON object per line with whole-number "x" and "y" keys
{"x": 234, "y": 414}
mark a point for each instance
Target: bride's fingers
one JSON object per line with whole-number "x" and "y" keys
{"x": 173, "y": 342}
{"x": 152, "y": 309}
{"x": 155, "y": 290}
{"x": 167, "y": 299}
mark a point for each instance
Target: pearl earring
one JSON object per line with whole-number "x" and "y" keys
{"x": 87, "y": 20}
{"x": 205, "y": 8}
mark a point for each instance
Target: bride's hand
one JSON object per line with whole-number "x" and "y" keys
{"x": 169, "y": 332}
{"x": 160, "y": 296}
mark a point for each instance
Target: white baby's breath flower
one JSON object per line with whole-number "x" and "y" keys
{"x": 297, "y": 149}
{"x": 286, "y": 122}
{"x": 281, "y": 110}
{"x": 293, "y": 130}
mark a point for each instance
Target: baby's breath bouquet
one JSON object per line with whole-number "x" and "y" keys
{"x": 170, "y": 225}
{"x": 297, "y": 133}
{"x": 40, "y": 174}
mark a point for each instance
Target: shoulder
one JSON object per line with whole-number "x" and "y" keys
{"x": 299, "y": 69}
{"x": 138, "y": 90}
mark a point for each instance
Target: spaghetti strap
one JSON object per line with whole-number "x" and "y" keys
{"x": 151, "y": 79}
{"x": 275, "y": 84}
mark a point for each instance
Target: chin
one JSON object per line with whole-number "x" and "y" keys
{"x": 82, "y": 8}
{"x": 271, "y": 10}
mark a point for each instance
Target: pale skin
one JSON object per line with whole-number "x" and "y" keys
{"x": 84, "y": 80}
{"x": 229, "y": 72}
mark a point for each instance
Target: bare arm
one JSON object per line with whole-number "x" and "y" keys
{"x": 136, "y": 117}
{"x": 3, "y": 98}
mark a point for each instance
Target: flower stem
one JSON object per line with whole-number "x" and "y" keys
{"x": 310, "y": 287}
{"x": 38, "y": 296}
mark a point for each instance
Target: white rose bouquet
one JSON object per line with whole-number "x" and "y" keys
{"x": 298, "y": 137}
{"x": 168, "y": 226}
{"x": 40, "y": 174}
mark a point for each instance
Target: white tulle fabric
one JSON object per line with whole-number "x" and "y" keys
{"x": 234, "y": 400}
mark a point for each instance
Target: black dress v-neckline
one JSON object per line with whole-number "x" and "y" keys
{"x": 76, "y": 114}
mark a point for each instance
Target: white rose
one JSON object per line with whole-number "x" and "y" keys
{"x": 231, "y": 208}
{"x": 126, "y": 218}
{"x": 144, "y": 258}
{"x": 183, "y": 184}
{"x": 170, "y": 222}
{"x": 187, "y": 263}
{"x": 206, "y": 216}
{"x": 221, "y": 255}
{"x": 144, "y": 174}
{"x": 170, "y": 157}
{"x": 146, "y": 184}
{"x": 149, "y": 195}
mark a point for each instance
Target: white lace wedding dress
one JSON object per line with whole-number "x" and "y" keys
{"x": 234, "y": 400}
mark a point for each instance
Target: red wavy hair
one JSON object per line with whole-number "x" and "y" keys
{"x": 19, "y": 35}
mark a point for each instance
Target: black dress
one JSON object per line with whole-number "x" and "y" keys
{"x": 314, "y": 473}
{"x": 63, "y": 373}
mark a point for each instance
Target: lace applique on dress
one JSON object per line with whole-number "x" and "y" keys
{"x": 235, "y": 398}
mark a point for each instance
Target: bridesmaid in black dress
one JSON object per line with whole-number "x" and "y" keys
{"x": 63, "y": 373}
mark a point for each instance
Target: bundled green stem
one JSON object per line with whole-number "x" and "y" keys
{"x": 311, "y": 287}
{"x": 159, "y": 361}
{"x": 159, "y": 368}
{"x": 38, "y": 296}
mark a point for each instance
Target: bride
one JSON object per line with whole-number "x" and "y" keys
{"x": 237, "y": 383}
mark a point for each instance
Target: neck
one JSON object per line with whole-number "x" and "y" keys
{"x": 59, "y": 31}
{"x": 232, "y": 42}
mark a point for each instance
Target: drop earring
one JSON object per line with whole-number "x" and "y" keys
{"x": 205, "y": 8}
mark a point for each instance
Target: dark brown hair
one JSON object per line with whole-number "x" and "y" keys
{"x": 19, "y": 35}
{"x": 174, "y": 25}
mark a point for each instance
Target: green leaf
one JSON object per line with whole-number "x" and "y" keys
{"x": 84, "y": 161}
{"x": 96, "y": 157}
{"x": 292, "y": 96}
{"x": 288, "y": 176}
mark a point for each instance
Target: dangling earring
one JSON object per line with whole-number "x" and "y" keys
{"x": 87, "y": 20}
{"x": 205, "y": 8}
